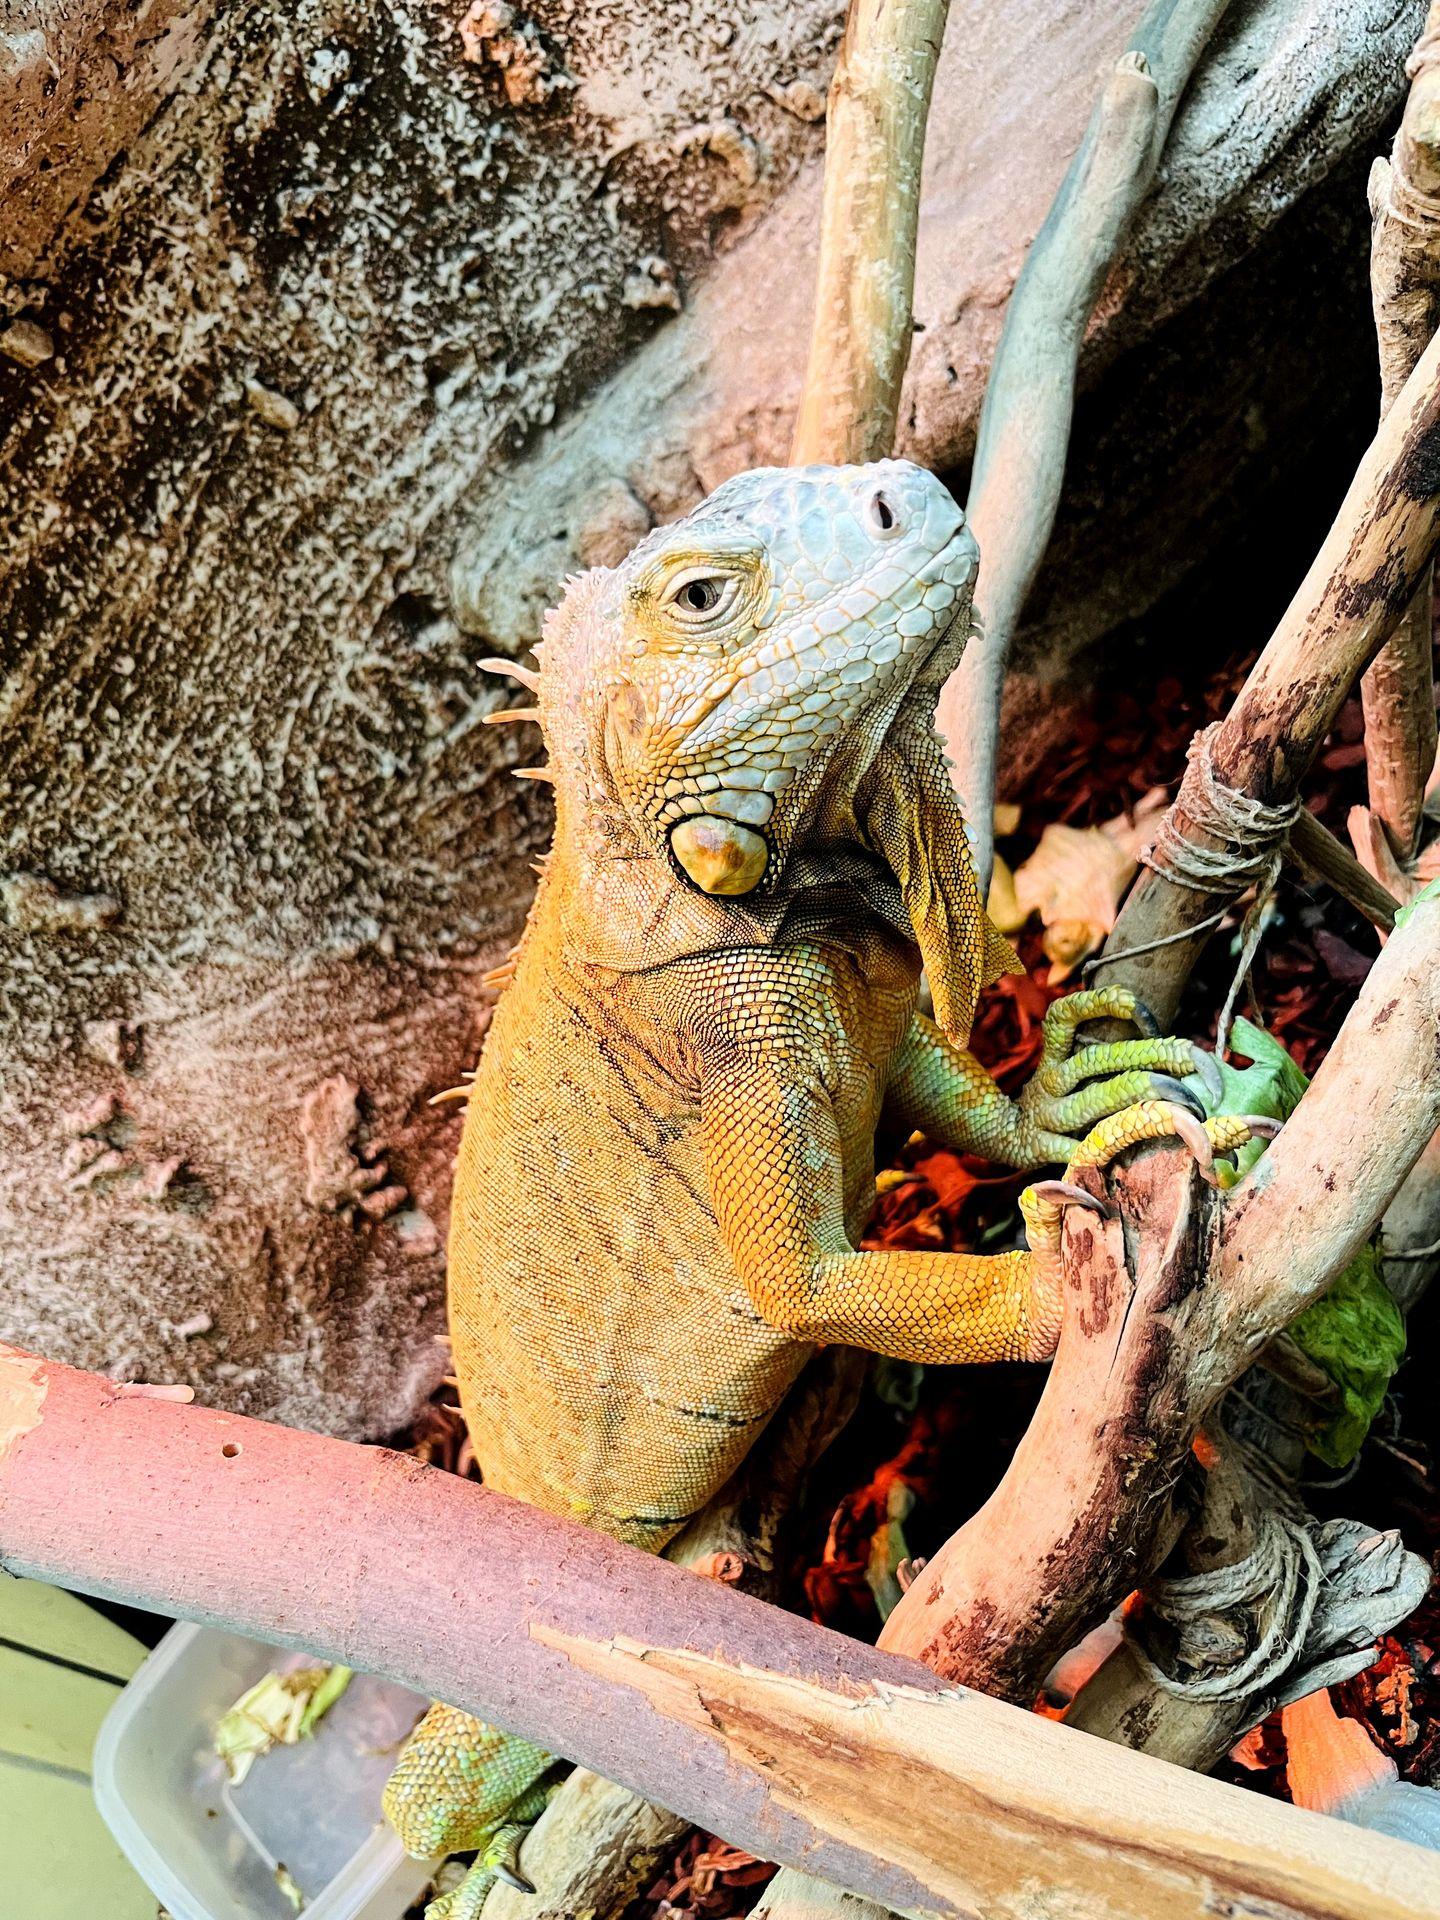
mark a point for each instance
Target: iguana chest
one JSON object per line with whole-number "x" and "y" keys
{"x": 611, "y": 1363}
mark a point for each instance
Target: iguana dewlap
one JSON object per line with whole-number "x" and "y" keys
{"x": 668, "y": 1156}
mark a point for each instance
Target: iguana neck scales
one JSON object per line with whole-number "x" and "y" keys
{"x": 669, "y": 1153}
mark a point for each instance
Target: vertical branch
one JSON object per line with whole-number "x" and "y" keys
{"x": 1398, "y": 691}
{"x": 874, "y": 145}
{"x": 1030, "y": 398}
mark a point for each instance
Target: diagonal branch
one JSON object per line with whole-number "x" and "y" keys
{"x": 1361, "y": 582}
{"x": 1030, "y": 398}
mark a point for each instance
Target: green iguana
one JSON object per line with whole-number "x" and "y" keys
{"x": 669, "y": 1152}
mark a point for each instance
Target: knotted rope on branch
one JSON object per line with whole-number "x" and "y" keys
{"x": 1252, "y": 836}
{"x": 1300, "y": 1610}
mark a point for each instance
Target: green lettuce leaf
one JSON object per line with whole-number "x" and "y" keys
{"x": 1355, "y": 1333}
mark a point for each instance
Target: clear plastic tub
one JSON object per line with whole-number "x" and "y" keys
{"x": 209, "y": 1851}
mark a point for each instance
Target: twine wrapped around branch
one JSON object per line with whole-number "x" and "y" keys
{"x": 1253, "y": 836}
{"x": 1302, "y": 1609}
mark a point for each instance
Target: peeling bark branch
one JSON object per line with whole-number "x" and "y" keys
{"x": 875, "y": 143}
{"x": 1030, "y": 398}
{"x": 645, "y": 1673}
{"x": 1398, "y": 690}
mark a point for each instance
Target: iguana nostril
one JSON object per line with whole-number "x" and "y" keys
{"x": 881, "y": 515}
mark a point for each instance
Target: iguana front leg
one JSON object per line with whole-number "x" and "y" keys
{"x": 461, "y": 1785}
{"x": 774, "y": 1166}
{"x": 938, "y": 1089}
{"x": 773, "y": 1160}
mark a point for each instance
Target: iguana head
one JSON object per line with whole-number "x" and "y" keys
{"x": 732, "y": 699}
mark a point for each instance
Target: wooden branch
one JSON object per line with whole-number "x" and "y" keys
{"x": 1347, "y": 605}
{"x": 1166, "y": 1306}
{"x": 746, "y": 1718}
{"x": 1411, "y": 1243}
{"x": 1314, "y": 849}
{"x": 1083, "y": 1513}
{"x": 874, "y": 146}
{"x": 1030, "y": 397}
{"x": 1398, "y": 690}
{"x": 1120, "y": 1701}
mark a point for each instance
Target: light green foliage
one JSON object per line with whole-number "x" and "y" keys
{"x": 1356, "y": 1332}
{"x": 1432, "y": 892}
{"x": 278, "y": 1710}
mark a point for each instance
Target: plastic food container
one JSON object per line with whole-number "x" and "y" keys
{"x": 209, "y": 1850}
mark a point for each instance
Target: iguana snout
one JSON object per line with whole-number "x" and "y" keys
{"x": 788, "y": 614}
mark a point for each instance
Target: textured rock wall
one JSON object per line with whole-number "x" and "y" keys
{"x": 329, "y": 337}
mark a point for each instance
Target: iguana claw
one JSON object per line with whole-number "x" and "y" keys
{"x": 1207, "y": 1069}
{"x": 1064, "y": 1193}
{"x": 1191, "y": 1130}
{"x": 1176, "y": 1094}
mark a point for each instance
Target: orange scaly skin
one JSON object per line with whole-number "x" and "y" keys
{"x": 669, "y": 1152}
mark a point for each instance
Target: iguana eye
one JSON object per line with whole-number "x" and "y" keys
{"x": 698, "y": 599}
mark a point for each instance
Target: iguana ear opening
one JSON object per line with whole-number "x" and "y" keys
{"x": 914, "y": 823}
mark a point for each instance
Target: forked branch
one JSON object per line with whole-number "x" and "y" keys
{"x": 1168, "y": 1305}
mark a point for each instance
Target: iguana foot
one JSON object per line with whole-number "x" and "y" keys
{"x": 460, "y": 1785}
{"x": 498, "y": 1859}
{"x": 1073, "y": 1088}
{"x": 1043, "y": 1203}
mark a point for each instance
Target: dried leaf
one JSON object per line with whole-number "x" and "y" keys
{"x": 1076, "y": 878}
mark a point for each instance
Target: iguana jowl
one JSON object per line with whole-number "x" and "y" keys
{"x": 669, "y": 1152}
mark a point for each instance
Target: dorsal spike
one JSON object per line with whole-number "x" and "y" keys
{"x": 534, "y": 773}
{"x": 513, "y": 671}
{"x": 448, "y": 1097}
{"x": 511, "y": 713}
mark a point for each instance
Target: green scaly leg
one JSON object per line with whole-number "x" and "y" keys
{"x": 461, "y": 1785}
